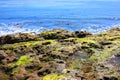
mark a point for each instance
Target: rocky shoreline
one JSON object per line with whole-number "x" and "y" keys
{"x": 59, "y": 54}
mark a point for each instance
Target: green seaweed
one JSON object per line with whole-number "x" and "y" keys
{"x": 87, "y": 40}
{"x": 27, "y": 44}
{"x": 16, "y": 70}
{"x": 50, "y": 41}
{"x": 22, "y": 61}
{"x": 53, "y": 77}
{"x": 81, "y": 40}
{"x": 99, "y": 57}
{"x": 48, "y": 34}
{"x": 116, "y": 41}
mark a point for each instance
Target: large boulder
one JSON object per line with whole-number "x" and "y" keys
{"x": 81, "y": 34}
{"x": 18, "y": 37}
{"x": 56, "y": 34}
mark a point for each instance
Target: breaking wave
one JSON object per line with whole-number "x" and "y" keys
{"x": 94, "y": 25}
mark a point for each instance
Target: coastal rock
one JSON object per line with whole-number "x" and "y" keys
{"x": 81, "y": 34}
{"x": 56, "y": 34}
{"x": 58, "y": 65}
{"x": 18, "y": 37}
{"x": 3, "y": 76}
{"x": 60, "y": 55}
{"x": 6, "y": 58}
{"x": 20, "y": 74}
{"x": 105, "y": 43}
{"x": 109, "y": 78}
{"x": 2, "y": 55}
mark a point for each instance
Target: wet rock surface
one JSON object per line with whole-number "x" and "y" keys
{"x": 18, "y": 37}
{"x": 60, "y": 55}
{"x": 82, "y": 34}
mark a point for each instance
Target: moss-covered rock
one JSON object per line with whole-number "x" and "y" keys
{"x": 60, "y": 54}
{"x": 56, "y": 34}
{"x": 19, "y": 37}
{"x": 81, "y": 34}
{"x": 53, "y": 77}
{"x": 21, "y": 61}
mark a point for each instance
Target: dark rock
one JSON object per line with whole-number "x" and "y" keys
{"x": 113, "y": 78}
{"x": 44, "y": 72}
{"x": 46, "y": 43}
{"x": 93, "y": 45}
{"x": 106, "y": 78}
{"x": 109, "y": 78}
{"x": 81, "y": 34}
{"x": 14, "y": 38}
{"x": 84, "y": 47}
{"x": 105, "y": 43}
{"x": 117, "y": 55}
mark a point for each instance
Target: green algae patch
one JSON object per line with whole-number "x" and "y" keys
{"x": 116, "y": 41}
{"x": 68, "y": 39}
{"x": 49, "y": 42}
{"x": 16, "y": 45}
{"x": 53, "y": 77}
{"x": 48, "y": 34}
{"x": 104, "y": 54}
{"x": 113, "y": 37}
{"x": 88, "y": 41}
{"x": 56, "y": 34}
{"x": 99, "y": 57}
{"x": 58, "y": 48}
{"x": 81, "y": 40}
{"x": 9, "y": 51}
{"x": 16, "y": 70}
{"x": 75, "y": 64}
{"x": 22, "y": 61}
{"x": 27, "y": 44}
{"x": 85, "y": 40}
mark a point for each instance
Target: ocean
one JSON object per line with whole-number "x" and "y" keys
{"x": 91, "y": 16}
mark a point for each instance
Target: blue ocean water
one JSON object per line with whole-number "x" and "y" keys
{"x": 92, "y": 16}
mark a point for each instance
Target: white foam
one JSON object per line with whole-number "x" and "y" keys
{"x": 15, "y": 28}
{"x": 11, "y": 29}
